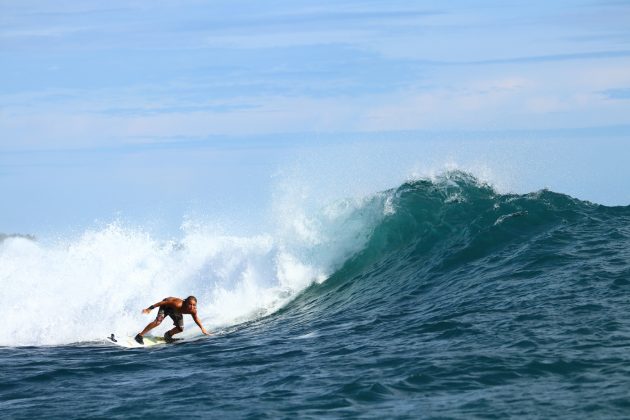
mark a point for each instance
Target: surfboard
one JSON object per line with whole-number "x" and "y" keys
{"x": 130, "y": 342}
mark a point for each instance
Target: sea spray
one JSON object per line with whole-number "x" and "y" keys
{"x": 83, "y": 288}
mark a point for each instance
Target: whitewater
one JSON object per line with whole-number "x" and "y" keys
{"x": 442, "y": 296}
{"x": 82, "y": 288}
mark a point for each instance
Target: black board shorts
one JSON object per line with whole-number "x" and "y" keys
{"x": 178, "y": 319}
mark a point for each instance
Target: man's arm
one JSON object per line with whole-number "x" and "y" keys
{"x": 198, "y": 322}
{"x": 163, "y": 302}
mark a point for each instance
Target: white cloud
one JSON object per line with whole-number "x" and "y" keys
{"x": 40, "y": 32}
{"x": 509, "y": 101}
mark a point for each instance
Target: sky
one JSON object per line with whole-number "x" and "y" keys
{"x": 155, "y": 111}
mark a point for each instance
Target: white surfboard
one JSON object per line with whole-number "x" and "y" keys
{"x": 130, "y": 342}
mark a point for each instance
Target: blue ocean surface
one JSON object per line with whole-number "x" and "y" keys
{"x": 441, "y": 298}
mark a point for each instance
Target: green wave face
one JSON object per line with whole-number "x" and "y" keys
{"x": 455, "y": 238}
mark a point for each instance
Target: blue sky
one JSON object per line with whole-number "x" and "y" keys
{"x": 153, "y": 110}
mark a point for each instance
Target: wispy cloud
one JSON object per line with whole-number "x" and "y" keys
{"x": 618, "y": 93}
{"x": 592, "y": 55}
{"x": 39, "y": 32}
{"x": 88, "y": 74}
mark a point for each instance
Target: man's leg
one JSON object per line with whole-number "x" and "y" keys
{"x": 155, "y": 323}
{"x": 170, "y": 333}
{"x": 178, "y": 321}
{"x": 150, "y": 327}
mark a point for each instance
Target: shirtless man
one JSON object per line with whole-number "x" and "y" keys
{"x": 175, "y": 308}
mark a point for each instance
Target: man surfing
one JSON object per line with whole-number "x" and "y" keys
{"x": 175, "y": 308}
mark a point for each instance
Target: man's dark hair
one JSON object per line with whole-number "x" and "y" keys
{"x": 189, "y": 298}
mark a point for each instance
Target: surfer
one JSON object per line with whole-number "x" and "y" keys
{"x": 175, "y": 308}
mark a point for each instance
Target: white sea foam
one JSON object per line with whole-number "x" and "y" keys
{"x": 83, "y": 288}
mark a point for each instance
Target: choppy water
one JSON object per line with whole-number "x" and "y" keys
{"x": 441, "y": 298}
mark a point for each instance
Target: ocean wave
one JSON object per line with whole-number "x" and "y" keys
{"x": 433, "y": 244}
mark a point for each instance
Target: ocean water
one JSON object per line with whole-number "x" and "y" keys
{"x": 441, "y": 298}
